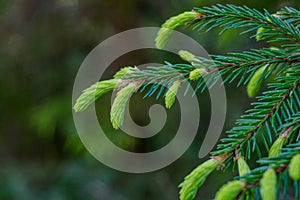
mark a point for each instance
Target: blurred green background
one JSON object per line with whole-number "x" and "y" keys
{"x": 43, "y": 43}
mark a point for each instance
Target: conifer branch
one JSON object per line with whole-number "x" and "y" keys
{"x": 250, "y": 125}
{"x": 274, "y": 118}
{"x": 279, "y": 163}
{"x": 231, "y": 16}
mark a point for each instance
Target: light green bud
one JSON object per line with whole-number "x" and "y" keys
{"x": 276, "y": 146}
{"x": 119, "y": 105}
{"x": 196, "y": 178}
{"x": 196, "y": 74}
{"x": 259, "y": 31}
{"x": 274, "y": 15}
{"x": 242, "y": 166}
{"x": 167, "y": 28}
{"x": 255, "y": 82}
{"x": 294, "y": 168}
{"x": 95, "y": 91}
{"x": 230, "y": 190}
{"x": 187, "y": 56}
{"x": 171, "y": 94}
{"x": 268, "y": 185}
{"x": 125, "y": 71}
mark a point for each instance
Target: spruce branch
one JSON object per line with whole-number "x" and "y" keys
{"x": 292, "y": 15}
{"x": 273, "y": 119}
{"x": 265, "y": 111}
{"x": 279, "y": 164}
{"x": 231, "y": 16}
{"x": 231, "y": 67}
{"x": 288, "y": 159}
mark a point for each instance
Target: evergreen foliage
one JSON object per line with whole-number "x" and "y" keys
{"x": 271, "y": 125}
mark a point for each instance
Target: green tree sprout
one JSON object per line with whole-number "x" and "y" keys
{"x": 271, "y": 125}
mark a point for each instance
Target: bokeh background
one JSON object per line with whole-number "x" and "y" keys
{"x": 43, "y": 43}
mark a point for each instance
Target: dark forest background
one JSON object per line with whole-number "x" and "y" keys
{"x": 43, "y": 43}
